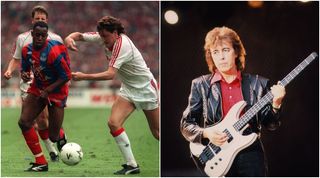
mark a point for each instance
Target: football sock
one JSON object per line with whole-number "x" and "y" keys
{"x": 32, "y": 141}
{"x": 61, "y": 133}
{"x": 123, "y": 143}
{"x": 44, "y": 135}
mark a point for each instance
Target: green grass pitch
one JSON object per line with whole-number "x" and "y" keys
{"x": 87, "y": 127}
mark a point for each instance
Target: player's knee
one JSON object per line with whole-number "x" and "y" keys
{"x": 113, "y": 125}
{"x": 155, "y": 133}
{"x": 24, "y": 124}
{"x": 43, "y": 115}
{"x": 42, "y": 121}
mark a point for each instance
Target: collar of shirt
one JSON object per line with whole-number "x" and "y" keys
{"x": 218, "y": 77}
{"x": 45, "y": 45}
{"x": 111, "y": 48}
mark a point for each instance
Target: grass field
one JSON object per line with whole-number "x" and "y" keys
{"x": 88, "y": 128}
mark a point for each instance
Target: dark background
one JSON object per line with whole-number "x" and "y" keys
{"x": 277, "y": 37}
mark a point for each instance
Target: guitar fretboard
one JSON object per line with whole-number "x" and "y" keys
{"x": 246, "y": 117}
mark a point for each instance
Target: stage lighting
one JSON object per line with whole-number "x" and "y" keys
{"x": 255, "y": 4}
{"x": 171, "y": 17}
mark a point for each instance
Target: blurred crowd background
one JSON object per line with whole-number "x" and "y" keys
{"x": 141, "y": 21}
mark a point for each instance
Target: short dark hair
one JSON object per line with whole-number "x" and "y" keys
{"x": 110, "y": 24}
{"x": 39, "y": 9}
{"x": 40, "y": 24}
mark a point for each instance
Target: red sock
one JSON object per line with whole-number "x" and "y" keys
{"x": 117, "y": 132}
{"x": 44, "y": 134}
{"x": 32, "y": 141}
{"x": 61, "y": 133}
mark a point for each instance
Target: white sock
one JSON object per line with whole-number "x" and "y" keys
{"x": 50, "y": 146}
{"x": 123, "y": 143}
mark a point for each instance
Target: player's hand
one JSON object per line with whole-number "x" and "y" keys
{"x": 44, "y": 94}
{"x": 71, "y": 44}
{"x": 8, "y": 75}
{"x": 77, "y": 76}
{"x": 278, "y": 93}
{"x": 26, "y": 76}
{"x": 215, "y": 137}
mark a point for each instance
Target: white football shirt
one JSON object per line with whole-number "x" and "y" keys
{"x": 132, "y": 69}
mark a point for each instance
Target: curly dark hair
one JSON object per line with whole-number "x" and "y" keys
{"x": 110, "y": 24}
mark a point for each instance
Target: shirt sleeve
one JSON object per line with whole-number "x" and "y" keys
{"x": 61, "y": 63}
{"x": 269, "y": 119}
{"x": 18, "y": 48}
{"x": 192, "y": 116}
{"x": 92, "y": 37}
{"x": 121, "y": 53}
{"x": 53, "y": 36}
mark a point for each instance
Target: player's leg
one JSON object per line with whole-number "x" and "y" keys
{"x": 153, "y": 121}
{"x": 56, "y": 116}
{"x": 31, "y": 107}
{"x": 150, "y": 107}
{"x": 43, "y": 123}
{"x": 120, "y": 111}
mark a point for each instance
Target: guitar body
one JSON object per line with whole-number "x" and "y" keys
{"x": 222, "y": 158}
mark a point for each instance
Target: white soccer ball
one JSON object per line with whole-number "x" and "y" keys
{"x": 71, "y": 154}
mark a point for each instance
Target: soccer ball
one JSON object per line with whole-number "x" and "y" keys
{"x": 71, "y": 154}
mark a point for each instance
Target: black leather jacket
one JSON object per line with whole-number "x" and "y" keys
{"x": 204, "y": 107}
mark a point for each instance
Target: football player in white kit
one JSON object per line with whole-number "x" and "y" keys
{"x": 39, "y": 13}
{"x": 138, "y": 90}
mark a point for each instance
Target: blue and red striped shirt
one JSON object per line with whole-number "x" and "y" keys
{"x": 48, "y": 64}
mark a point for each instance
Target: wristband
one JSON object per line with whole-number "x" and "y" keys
{"x": 276, "y": 108}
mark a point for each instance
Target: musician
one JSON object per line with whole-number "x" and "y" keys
{"x": 213, "y": 95}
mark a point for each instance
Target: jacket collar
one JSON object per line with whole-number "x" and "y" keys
{"x": 218, "y": 77}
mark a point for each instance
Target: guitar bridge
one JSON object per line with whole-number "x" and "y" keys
{"x": 208, "y": 153}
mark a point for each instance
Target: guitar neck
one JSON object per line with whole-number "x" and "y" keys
{"x": 246, "y": 117}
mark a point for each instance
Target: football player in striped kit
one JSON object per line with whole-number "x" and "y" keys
{"x": 50, "y": 65}
{"x": 39, "y": 13}
{"x": 138, "y": 90}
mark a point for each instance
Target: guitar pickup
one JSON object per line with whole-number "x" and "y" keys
{"x": 230, "y": 138}
{"x": 215, "y": 148}
{"x": 206, "y": 155}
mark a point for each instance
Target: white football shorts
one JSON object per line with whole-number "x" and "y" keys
{"x": 146, "y": 98}
{"x": 24, "y": 86}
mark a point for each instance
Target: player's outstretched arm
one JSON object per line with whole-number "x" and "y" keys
{"x": 69, "y": 41}
{"x": 106, "y": 75}
{"x": 13, "y": 65}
